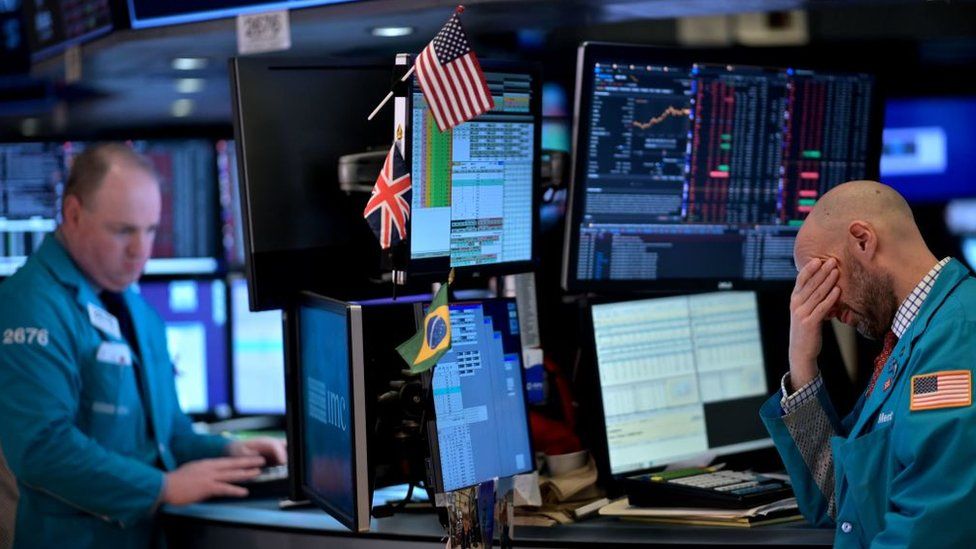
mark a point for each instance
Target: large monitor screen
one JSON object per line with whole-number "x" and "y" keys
{"x": 195, "y": 313}
{"x": 700, "y": 172}
{"x": 331, "y": 370}
{"x": 479, "y": 398}
{"x": 149, "y": 13}
{"x": 474, "y": 187}
{"x": 258, "y": 366}
{"x": 293, "y": 120}
{"x": 56, "y": 24}
{"x": 928, "y": 144}
{"x": 32, "y": 178}
{"x": 679, "y": 377}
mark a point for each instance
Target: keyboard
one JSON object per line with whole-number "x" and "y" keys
{"x": 704, "y": 488}
{"x": 272, "y": 482}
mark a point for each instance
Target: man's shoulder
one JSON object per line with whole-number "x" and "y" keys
{"x": 33, "y": 291}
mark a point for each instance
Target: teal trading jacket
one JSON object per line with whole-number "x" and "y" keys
{"x": 888, "y": 476}
{"x": 72, "y": 424}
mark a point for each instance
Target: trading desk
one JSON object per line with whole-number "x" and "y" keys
{"x": 259, "y": 523}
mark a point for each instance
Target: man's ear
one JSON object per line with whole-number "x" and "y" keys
{"x": 71, "y": 210}
{"x": 862, "y": 239}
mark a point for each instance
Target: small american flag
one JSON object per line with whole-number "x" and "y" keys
{"x": 450, "y": 77}
{"x": 389, "y": 206}
{"x": 942, "y": 390}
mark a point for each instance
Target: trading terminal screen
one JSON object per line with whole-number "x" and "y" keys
{"x": 702, "y": 171}
{"x": 195, "y": 313}
{"x": 32, "y": 180}
{"x": 258, "y": 350}
{"x": 479, "y": 399}
{"x": 473, "y": 185}
{"x": 680, "y": 376}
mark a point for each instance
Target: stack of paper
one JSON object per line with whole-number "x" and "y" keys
{"x": 771, "y": 513}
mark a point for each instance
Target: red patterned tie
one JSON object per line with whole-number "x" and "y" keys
{"x": 890, "y": 341}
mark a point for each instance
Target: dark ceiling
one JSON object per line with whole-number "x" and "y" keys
{"x": 127, "y": 81}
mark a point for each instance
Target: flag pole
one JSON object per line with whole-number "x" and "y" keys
{"x": 389, "y": 95}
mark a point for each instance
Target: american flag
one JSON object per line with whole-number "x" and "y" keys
{"x": 389, "y": 206}
{"x": 450, "y": 77}
{"x": 942, "y": 390}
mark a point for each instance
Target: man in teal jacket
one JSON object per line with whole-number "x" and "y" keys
{"x": 900, "y": 470}
{"x": 90, "y": 425}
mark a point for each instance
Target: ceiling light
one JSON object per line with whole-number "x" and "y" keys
{"x": 189, "y": 85}
{"x": 391, "y": 32}
{"x": 182, "y": 108}
{"x": 189, "y": 63}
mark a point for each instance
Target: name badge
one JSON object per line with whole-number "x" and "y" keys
{"x": 114, "y": 353}
{"x": 885, "y": 417}
{"x": 104, "y": 321}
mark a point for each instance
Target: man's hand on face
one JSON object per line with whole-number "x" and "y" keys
{"x": 206, "y": 478}
{"x": 814, "y": 296}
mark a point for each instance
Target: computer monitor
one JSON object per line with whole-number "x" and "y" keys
{"x": 231, "y": 221}
{"x": 258, "y": 365}
{"x": 333, "y": 418}
{"x": 32, "y": 176}
{"x": 475, "y": 187}
{"x": 927, "y": 146}
{"x": 293, "y": 119}
{"x": 679, "y": 376}
{"x": 481, "y": 426}
{"x": 693, "y": 173}
{"x": 195, "y": 313}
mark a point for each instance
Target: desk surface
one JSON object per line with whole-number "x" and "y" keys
{"x": 262, "y": 518}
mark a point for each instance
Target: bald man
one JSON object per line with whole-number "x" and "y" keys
{"x": 90, "y": 425}
{"x": 900, "y": 470}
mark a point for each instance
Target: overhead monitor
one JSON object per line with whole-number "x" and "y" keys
{"x": 147, "y": 13}
{"x": 258, "y": 365}
{"x": 679, "y": 376}
{"x": 32, "y": 179}
{"x": 475, "y": 186}
{"x": 195, "y": 313}
{"x": 332, "y": 394}
{"x": 481, "y": 427}
{"x": 293, "y": 119}
{"x": 53, "y": 25}
{"x": 690, "y": 171}
{"x": 928, "y": 142}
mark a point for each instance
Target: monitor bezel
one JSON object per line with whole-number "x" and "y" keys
{"x": 589, "y": 53}
{"x": 436, "y": 475}
{"x": 600, "y": 443}
{"x": 360, "y": 520}
{"x": 433, "y": 269}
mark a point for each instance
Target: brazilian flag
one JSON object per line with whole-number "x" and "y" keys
{"x": 426, "y": 347}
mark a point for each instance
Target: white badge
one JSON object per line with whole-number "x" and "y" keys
{"x": 114, "y": 353}
{"x": 104, "y": 321}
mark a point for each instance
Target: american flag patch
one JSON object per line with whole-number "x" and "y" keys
{"x": 942, "y": 390}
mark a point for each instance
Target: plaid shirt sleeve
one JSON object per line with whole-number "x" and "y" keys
{"x": 791, "y": 401}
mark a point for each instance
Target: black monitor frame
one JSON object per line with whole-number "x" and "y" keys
{"x": 591, "y": 52}
{"x": 359, "y": 521}
{"x": 433, "y": 269}
{"x": 596, "y": 418}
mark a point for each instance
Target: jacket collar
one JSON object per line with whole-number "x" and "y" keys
{"x": 951, "y": 276}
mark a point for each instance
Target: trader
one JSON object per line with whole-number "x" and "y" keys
{"x": 89, "y": 420}
{"x": 900, "y": 470}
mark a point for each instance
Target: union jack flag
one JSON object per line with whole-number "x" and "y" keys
{"x": 451, "y": 78}
{"x": 389, "y": 206}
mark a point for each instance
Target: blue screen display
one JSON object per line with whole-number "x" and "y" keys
{"x": 195, "y": 313}
{"x": 482, "y": 428}
{"x": 327, "y": 404}
{"x": 927, "y": 145}
{"x": 258, "y": 350}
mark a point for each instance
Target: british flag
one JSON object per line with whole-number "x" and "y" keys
{"x": 389, "y": 206}
{"x": 451, "y": 78}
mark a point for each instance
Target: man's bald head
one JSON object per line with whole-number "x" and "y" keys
{"x": 869, "y": 201}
